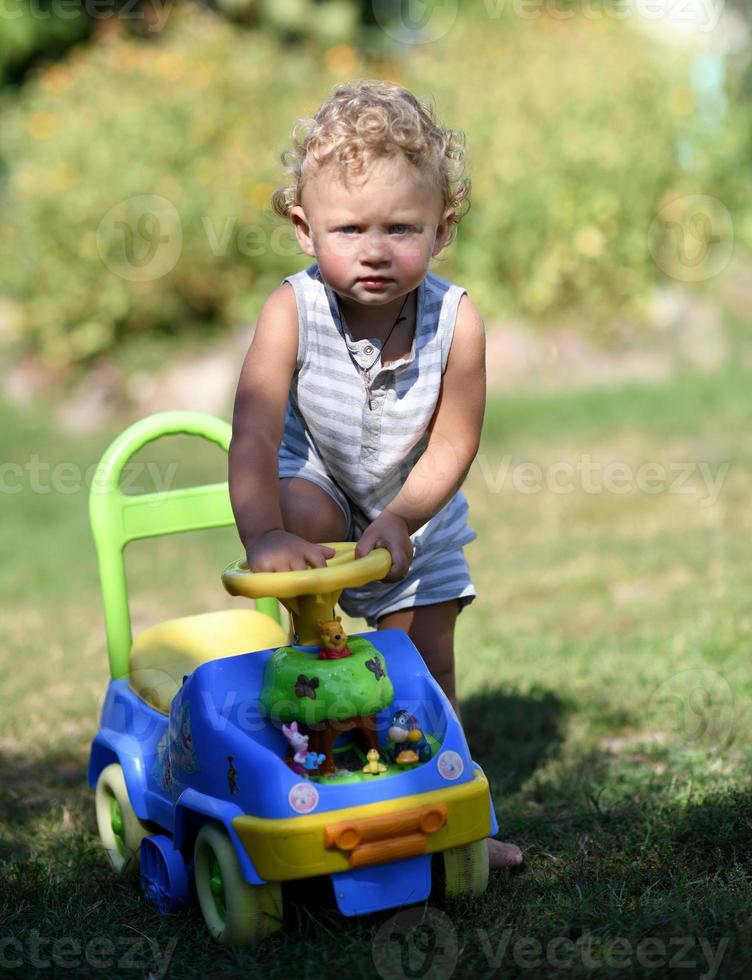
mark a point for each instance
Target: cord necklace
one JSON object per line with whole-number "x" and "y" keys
{"x": 365, "y": 372}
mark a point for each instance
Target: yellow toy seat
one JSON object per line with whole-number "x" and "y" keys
{"x": 163, "y": 654}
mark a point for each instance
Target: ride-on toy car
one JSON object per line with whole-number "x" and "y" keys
{"x": 232, "y": 758}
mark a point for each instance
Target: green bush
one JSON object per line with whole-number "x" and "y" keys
{"x": 194, "y": 121}
{"x": 573, "y": 129}
{"x": 26, "y": 31}
{"x": 326, "y": 21}
{"x": 46, "y": 28}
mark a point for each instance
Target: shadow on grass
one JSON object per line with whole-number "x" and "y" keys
{"x": 50, "y": 790}
{"x": 510, "y": 735}
{"x": 609, "y": 859}
{"x": 715, "y": 833}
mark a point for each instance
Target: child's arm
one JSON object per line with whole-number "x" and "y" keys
{"x": 454, "y": 437}
{"x": 257, "y": 428}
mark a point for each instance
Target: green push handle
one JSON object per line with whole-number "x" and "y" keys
{"x": 118, "y": 518}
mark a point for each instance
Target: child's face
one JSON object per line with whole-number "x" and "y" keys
{"x": 387, "y": 225}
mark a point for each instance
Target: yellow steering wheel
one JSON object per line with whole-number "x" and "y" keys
{"x": 310, "y": 594}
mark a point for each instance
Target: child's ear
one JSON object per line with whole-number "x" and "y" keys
{"x": 302, "y": 229}
{"x": 443, "y": 231}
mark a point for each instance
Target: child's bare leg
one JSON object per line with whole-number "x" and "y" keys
{"x": 309, "y": 511}
{"x": 431, "y": 628}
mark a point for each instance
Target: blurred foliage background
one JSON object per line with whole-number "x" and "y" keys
{"x": 140, "y": 145}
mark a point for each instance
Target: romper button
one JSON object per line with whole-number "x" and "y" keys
{"x": 368, "y": 350}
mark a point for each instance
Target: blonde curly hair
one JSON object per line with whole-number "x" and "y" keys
{"x": 368, "y": 120}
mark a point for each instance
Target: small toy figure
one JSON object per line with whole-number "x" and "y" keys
{"x": 373, "y": 766}
{"x": 376, "y": 666}
{"x": 160, "y": 769}
{"x": 313, "y": 760}
{"x": 408, "y": 739}
{"x": 182, "y": 752}
{"x": 232, "y": 775}
{"x": 305, "y": 687}
{"x": 299, "y": 744}
{"x": 333, "y": 639}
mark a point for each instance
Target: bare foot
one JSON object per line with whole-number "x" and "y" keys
{"x": 502, "y": 854}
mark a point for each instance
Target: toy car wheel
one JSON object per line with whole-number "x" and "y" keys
{"x": 120, "y": 829}
{"x": 236, "y": 913}
{"x": 466, "y": 870}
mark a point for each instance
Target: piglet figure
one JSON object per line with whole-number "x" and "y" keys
{"x": 298, "y": 742}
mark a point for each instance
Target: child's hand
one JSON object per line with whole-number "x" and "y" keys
{"x": 388, "y": 531}
{"x": 280, "y": 551}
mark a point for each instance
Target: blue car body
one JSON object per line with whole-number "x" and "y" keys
{"x": 216, "y": 757}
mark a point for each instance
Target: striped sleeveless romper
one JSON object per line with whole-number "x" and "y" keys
{"x": 361, "y": 456}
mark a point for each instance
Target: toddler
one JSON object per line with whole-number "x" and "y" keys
{"x": 360, "y": 402}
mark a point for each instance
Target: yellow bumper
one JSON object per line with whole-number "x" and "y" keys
{"x": 322, "y": 843}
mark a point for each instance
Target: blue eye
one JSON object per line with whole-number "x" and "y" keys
{"x": 346, "y": 228}
{"x": 405, "y": 227}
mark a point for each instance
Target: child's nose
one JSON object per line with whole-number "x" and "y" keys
{"x": 375, "y": 245}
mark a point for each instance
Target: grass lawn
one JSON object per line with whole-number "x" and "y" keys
{"x": 604, "y": 681}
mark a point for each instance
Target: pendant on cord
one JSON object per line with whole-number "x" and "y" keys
{"x": 366, "y": 372}
{"x": 367, "y": 385}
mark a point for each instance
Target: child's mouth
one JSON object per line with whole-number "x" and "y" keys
{"x": 374, "y": 281}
